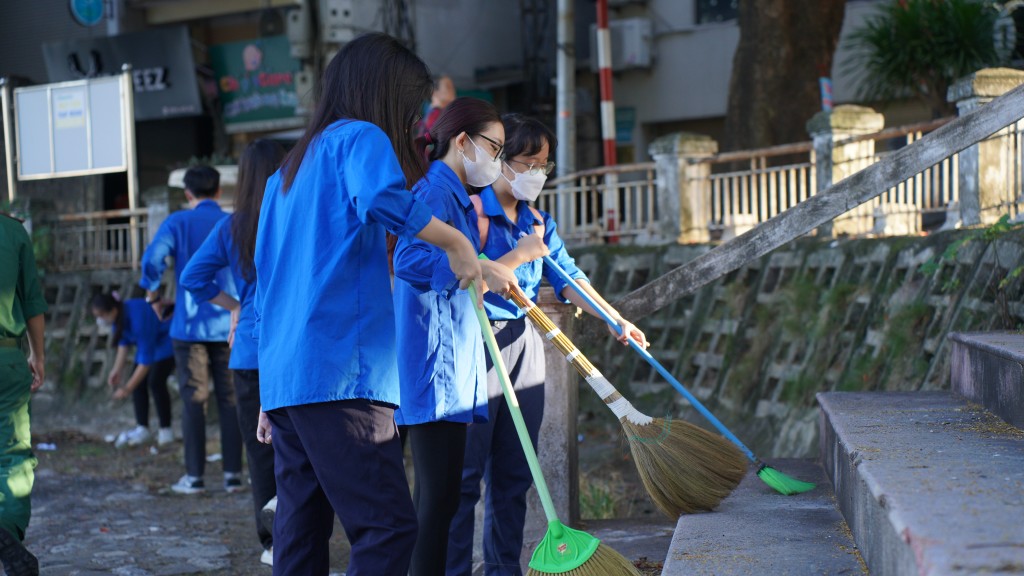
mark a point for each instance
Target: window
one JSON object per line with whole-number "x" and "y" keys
{"x": 711, "y": 11}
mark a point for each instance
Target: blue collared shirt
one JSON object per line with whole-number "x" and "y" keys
{"x": 324, "y": 315}
{"x": 200, "y": 278}
{"x": 146, "y": 332}
{"x": 440, "y": 349}
{"x": 502, "y": 237}
{"x": 179, "y": 237}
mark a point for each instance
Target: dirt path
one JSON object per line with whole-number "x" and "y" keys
{"x": 100, "y": 510}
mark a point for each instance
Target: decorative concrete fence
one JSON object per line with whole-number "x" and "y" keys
{"x": 691, "y": 193}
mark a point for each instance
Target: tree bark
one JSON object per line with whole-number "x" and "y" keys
{"x": 785, "y": 46}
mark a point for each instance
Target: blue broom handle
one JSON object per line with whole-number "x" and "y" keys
{"x": 650, "y": 359}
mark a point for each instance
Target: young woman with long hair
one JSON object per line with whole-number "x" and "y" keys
{"x": 325, "y": 322}
{"x": 440, "y": 350}
{"x": 517, "y": 235}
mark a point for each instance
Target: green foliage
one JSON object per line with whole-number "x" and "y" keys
{"x": 597, "y": 500}
{"x": 995, "y": 231}
{"x": 920, "y": 47}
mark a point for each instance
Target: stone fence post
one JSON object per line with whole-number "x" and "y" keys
{"x": 557, "y": 446}
{"x": 684, "y": 190}
{"x": 835, "y": 160}
{"x": 986, "y": 179}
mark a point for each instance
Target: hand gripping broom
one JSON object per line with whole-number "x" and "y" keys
{"x": 781, "y": 482}
{"x": 683, "y": 467}
{"x": 562, "y": 550}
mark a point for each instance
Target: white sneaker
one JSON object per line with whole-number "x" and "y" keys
{"x": 132, "y": 437}
{"x": 267, "y": 557}
{"x": 189, "y": 485}
{"x": 164, "y": 436}
{"x": 267, "y": 514}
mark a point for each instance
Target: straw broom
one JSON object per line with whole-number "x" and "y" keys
{"x": 683, "y": 467}
{"x": 562, "y": 550}
{"x": 780, "y": 482}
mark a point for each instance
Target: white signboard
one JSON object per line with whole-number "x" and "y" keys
{"x": 71, "y": 128}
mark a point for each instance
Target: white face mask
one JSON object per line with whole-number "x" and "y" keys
{"x": 104, "y": 325}
{"x": 526, "y": 186}
{"x": 480, "y": 172}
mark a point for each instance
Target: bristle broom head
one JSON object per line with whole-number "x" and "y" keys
{"x": 563, "y": 549}
{"x": 782, "y": 483}
{"x": 684, "y": 467}
{"x": 604, "y": 562}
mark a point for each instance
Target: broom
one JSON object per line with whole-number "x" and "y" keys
{"x": 562, "y": 550}
{"x": 780, "y": 482}
{"x": 683, "y": 467}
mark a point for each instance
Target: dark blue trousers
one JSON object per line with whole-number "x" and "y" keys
{"x": 261, "y": 456}
{"x": 341, "y": 458}
{"x": 495, "y": 455}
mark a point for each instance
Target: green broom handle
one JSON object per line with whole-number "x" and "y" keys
{"x": 651, "y": 360}
{"x": 517, "y": 414}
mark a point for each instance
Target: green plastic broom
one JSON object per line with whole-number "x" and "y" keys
{"x": 562, "y": 550}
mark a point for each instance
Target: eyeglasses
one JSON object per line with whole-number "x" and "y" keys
{"x": 535, "y": 168}
{"x": 496, "y": 144}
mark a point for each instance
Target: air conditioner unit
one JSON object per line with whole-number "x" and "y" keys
{"x": 631, "y": 40}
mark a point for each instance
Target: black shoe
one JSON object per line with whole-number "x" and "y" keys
{"x": 17, "y": 560}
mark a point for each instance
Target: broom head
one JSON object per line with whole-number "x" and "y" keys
{"x": 782, "y": 483}
{"x": 576, "y": 553}
{"x": 684, "y": 467}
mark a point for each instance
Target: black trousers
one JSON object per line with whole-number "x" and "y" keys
{"x": 438, "y": 451}
{"x": 156, "y": 382}
{"x": 261, "y": 456}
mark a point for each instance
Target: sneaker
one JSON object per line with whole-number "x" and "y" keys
{"x": 267, "y": 514}
{"x": 233, "y": 482}
{"x": 17, "y": 560}
{"x": 189, "y": 485}
{"x": 132, "y": 437}
{"x": 267, "y": 557}
{"x": 164, "y": 436}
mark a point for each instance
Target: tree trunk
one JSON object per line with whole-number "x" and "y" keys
{"x": 785, "y": 46}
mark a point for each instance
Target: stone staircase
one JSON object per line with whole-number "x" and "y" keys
{"x": 915, "y": 483}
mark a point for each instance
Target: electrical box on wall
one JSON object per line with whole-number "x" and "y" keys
{"x": 631, "y": 40}
{"x": 338, "y": 20}
{"x": 299, "y": 27}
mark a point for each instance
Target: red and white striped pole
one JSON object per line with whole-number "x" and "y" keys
{"x": 604, "y": 64}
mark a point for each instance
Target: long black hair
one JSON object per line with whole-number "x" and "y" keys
{"x": 525, "y": 136}
{"x": 259, "y": 160}
{"x": 376, "y": 79}
{"x": 107, "y": 303}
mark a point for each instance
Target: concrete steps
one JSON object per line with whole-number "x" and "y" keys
{"x": 928, "y": 483}
{"x": 987, "y": 368}
{"x": 758, "y": 531}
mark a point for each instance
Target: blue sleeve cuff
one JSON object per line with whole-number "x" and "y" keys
{"x": 203, "y": 292}
{"x": 443, "y": 281}
{"x": 418, "y": 218}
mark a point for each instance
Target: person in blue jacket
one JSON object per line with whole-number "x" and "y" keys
{"x": 514, "y": 234}
{"x": 199, "y": 332}
{"x": 325, "y": 319}
{"x": 135, "y": 324}
{"x": 440, "y": 348}
{"x": 232, "y": 244}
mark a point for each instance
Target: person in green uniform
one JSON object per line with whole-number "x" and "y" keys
{"x": 21, "y": 312}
